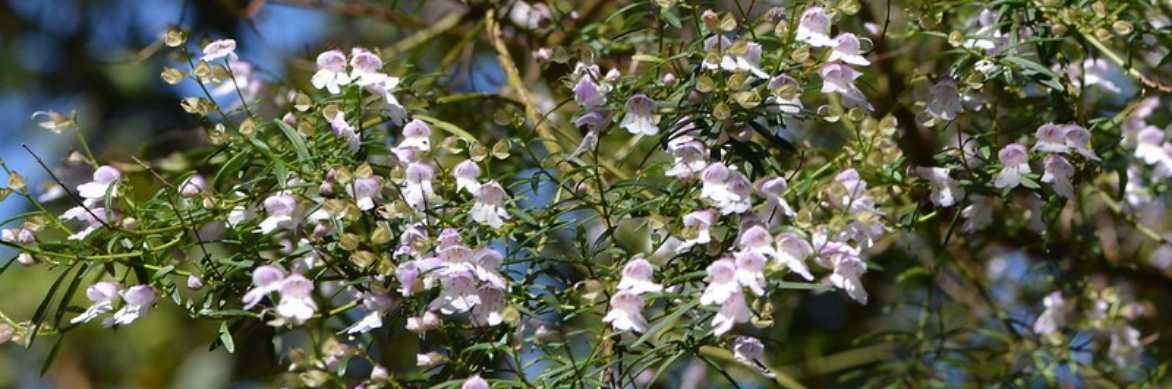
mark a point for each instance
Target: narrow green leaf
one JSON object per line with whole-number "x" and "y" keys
{"x": 226, "y": 338}
{"x": 296, "y": 139}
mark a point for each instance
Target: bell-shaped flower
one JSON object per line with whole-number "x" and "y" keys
{"x": 377, "y": 305}
{"x": 343, "y": 130}
{"x": 814, "y": 28}
{"x": 489, "y": 208}
{"x": 1057, "y": 172}
{"x": 219, "y": 49}
{"x": 296, "y": 305}
{"x": 475, "y": 382}
{"x": 17, "y": 235}
{"x": 732, "y": 311}
{"x": 846, "y": 49}
{"x": 103, "y": 295}
{"x": 792, "y": 251}
{"x": 637, "y": 275}
{"x": 688, "y": 155}
{"x": 281, "y": 209}
{"x": 840, "y": 79}
{"x": 459, "y": 293}
{"x": 1051, "y": 138}
{"x": 782, "y": 99}
{"x": 138, "y": 301}
{"x": 640, "y": 116}
{"x": 416, "y": 135}
{"x": 423, "y": 323}
{"x": 193, "y": 186}
{"x": 467, "y": 174}
{"x": 105, "y": 177}
{"x": 1015, "y": 163}
{"x": 847, "y": 270}
{"x": 734, "y": 58}
{"x": 944, "y": 100}
{"x": 626, "y": 312}
{"x": 697, "y": 225}
{"x": 1053, "y": 316}
{"x": 408, "y": 276}
{"x": 395, "y": 110}
{"x": 530, "y": 16}
{"x": 773, "y": 189}
{"x": 266, "y": 279}
{"x": 751, "y": 352}
{"x": 331, "y": 72}
{"x": 589, "y": 92}
{"x": 946, "y": 191}
{"x": 722, "y": 282}
{"x": 490, "y": 311}
{"x": 417, "y": 188}
{"x": 365, "y": 190}
{"x": 1079, "y": 139}
{"x": 366, "y": 67}
{"x": 726, "y": 189}
{"x": 750, "y": 271}
{"x": 430, "y": 359}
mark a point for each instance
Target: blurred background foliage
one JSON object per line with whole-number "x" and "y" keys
{"x": 97, "y": 57}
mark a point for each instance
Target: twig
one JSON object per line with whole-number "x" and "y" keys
{"x": 72, "y": 195}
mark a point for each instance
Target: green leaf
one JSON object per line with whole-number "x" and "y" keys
{"x": 52, "y": 355}
{"x": 39, "y": 314}
{"x": 226, "y": 338}
{"x": 448, "y": 127}
{"x": 665, "y": 323}
{"x": 278, "y": 164}
{"x": 295, "y": 138}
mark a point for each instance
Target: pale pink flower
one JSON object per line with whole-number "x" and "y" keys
{"x": 17, "y": 235}
{"x": 750, "y": 271}
{"x": 417, "y": 188}
{"x": 726, "y": 189}
{"x": 978, "y": 214}
{"x": 475, "y": 382}
{"x": 331, "y": 72}
{"x": 103, "y": 294}
{"x": 689, "y": 157}
{"x": 490, "y": 311}
{"x": 777, "y": 103}
{"x": 814, "y": 28}
{"x": 265, "y": 280}
{"x": 194, "y": 282}
{"x": 1057, "y": 172}
{"x": 345, "y": 131}
{"x": 625, "y": 312}
{"x": 93, "y": 219}
{"x": 530, "y": 16}
{"x": 467, "y": 174}
{"x": 426, "y": 322}
{"x": 847, "y": 270}
{"x": 1092, "y": 72}
{"x": 489, "y": 208}
{"x": 840, "y": 79}
{"x": 751, "y": 352}
{"x": 430, "y": 359}
{"x": 1015, "y": 163}
{"x": 296, "y": 305}
{"x": 637, "y": 275}
{"x": 698, "y": 222}
{"x": 792, "y": 250}
{"x": 364, "y": 191}
{"x": 193, "y": 186}
{"x": 281, "y": 209}
{"x": 589, "y": 93}
{"x": 1079, "y": 139}
{"x": 1051, "y": 138}
{"x": 846, "y": 49}
{"x": 640, "y": 116}
{"x": 377, "y": 305}
{"x": 944, "y": 100}
{"x": 104, "y": 178}
{"x": 138, "y": 300}
{"x": 366, "y": 67}
{"x": 416, "y": 135}
{"x": 946, "y": 191}
{"x": 732, "y": 311}
{"x": 219, "y": 49}
{"x": 722, "y": 282}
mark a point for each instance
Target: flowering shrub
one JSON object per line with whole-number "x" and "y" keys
{"x": 649, "y": 196}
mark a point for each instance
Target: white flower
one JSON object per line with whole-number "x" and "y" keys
{"x": 364, "y": 191}
{"x": 417, "y": 188}
{"x": 847, "y": 270}
{"x": 945, "y": 190}
{"x": 699, "y": 223}
{"x": 416, "y": 135}
{"x": 945, "y": 101}
{"x": 219, "y": 49}
{"x": 1054, "y": 316}
{"x": 1051, "y": 138}
{"x": 1058, "y": 172}
{"x": 722, "y": 282}
{"x": 376, "y": 305}
{"x": 840, "y": 79}
{"x": 427, "y": 322}
{"x": 625, "y": 312}
{"x": 475, "y": 382}
{"x": 280, "y": 208}
{"x": 726, "y": 189}
{"x": 467, "y": 174}
{"x": 17, "y": 236}
{"x": 104, "y": 178}
{"x": 194, "y": 282}
{"x": 750, "y": 271}
{"x": 93, "y": 219}
{"x": 530, "y": 17}
{"x": 978, "y": 214}
{"x": 490, "y": 311}
{"x": 366, "y": 68}
{"x": 331, "y": 72}
{"x": 688, "y": 154}
{"x": 265, "y": 280}
{"x": 345, "y": 131}
{"x": 240, "y": 214}
{"x": 637, "y": 277}
{"x": 103, "y": 294}
{"x": 489, "y": 207}
{"x": 773, "y": 189}
{"x": 732, "y": 311}
{"x": 296, "y": 305}
{"x": 588, "y": 91}
{"x": 792, "y": 251}
{"x": 846, "y": 49}
{"x": 429, "y": 359}
{"x": 640, "y": 116}
{"x": 751, "y": 352}
{"x": 988, "y": 36}
{"x": 193, "y": 186}
{"x": 1015, "y": 163}
{"x": 1079, "y": 139}
{"x": 459, "y": 293}
{"x": 139, "y": 299}
{"x": 744, "y": 62}
{"x": 778, "y": 102}
{"x": 814, "y": 28}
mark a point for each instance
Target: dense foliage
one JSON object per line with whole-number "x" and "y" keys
{"x": 655, "y": 182}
